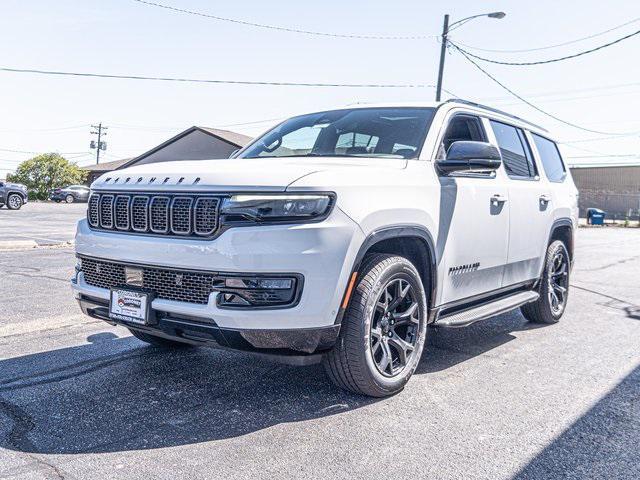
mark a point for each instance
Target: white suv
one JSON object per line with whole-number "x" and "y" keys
{"x": 337, "y": 237}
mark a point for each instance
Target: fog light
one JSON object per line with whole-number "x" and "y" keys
{"x": 256, "y": 292}
{"x": 255, "y": 283}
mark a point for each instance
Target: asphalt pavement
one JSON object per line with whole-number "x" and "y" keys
{"x": 43, "y": 223}
{"x": 501, "y": 399}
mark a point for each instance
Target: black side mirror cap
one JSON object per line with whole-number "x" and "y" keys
{"x": 466, "y": 156}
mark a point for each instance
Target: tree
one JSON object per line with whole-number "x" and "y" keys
{"x": 45, "y": 172}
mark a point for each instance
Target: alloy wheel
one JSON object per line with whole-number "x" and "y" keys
{"x": 558, "y": 280}
{"x": 14, "y": 201}
{"x": 394, "y": 327}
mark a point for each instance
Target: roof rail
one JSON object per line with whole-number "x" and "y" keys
{"x": 494, "y": 110}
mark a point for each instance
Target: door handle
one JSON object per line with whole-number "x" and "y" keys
{"x": 498, "y": 198}
{"x": 544, "y": 198}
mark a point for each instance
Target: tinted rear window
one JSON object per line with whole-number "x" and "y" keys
{"x": 514, "y": 149}
{"x": 551, "y": 159}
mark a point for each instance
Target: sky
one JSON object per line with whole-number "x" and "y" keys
{"x": 599, "y": 91}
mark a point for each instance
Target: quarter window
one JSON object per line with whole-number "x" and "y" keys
{"x": 551, "y": 159}
{"x": 516, "y": 155}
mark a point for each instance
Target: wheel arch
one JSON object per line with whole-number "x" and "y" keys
{"x": 562, "y": 229}
{"x": 16, "y": 192}
{"x": 410, "y": 241}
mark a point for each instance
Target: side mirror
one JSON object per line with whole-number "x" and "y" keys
{"x": 467, "y": 156}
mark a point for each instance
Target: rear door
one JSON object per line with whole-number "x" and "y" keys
{"x": 530, "y": 199}
{"x": 474, "y": 221}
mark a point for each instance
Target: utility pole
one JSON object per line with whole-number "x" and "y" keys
{"x": 443, "y": 51}
{"x": 446, "y": 28}
{"x": 99, "y": 145}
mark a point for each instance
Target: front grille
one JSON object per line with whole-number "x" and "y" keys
{"x": 194, "y": 286}
{"x": 154, "y": 214}
{"x": 181, "y": 286}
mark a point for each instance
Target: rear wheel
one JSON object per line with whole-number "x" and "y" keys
{"x": 383, "y": 331}
{"x": 14, "y": 202}
{"x": 554, "y": 287}
{"x": 70, "y": 199}
{"x": 158, "y": 341}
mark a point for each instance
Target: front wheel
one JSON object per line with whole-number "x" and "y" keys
{"x": 14, "y": 202}
{"x": 383, "y": 331}
{"x": 554, "y": 287}
{"x": 70, "y": 199}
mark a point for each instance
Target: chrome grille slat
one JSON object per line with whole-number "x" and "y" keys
{"x": 140, "y": 213}
{"x": 92, "y": 210}
{"x": 205, "y": 215}
{"x": 172, "y": 214}
{"x": 121, "y": 212}
{"x": 181, "y": 215}
{"x": 159, "y": 214}
{"x": 106, "y": 211}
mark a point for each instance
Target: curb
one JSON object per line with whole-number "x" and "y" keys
{"x": 17, "y": 244}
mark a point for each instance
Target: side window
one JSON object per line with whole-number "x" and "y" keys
{"x": 551, "y": 159}
{"x": 462, "y": 127}
{"x": 515, "y": 151}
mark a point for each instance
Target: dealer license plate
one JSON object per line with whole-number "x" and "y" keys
{"x": 129, "y": 306}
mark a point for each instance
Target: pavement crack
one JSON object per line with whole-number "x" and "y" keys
{"x": 18, "y": 436}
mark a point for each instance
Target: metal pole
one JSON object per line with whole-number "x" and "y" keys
{"x": 98, "y": 149}
{"x": 443, "y": 51}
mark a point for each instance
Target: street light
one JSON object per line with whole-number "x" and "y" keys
{"x": 446, "y": 28}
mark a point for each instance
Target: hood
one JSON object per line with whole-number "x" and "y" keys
{"x": 237, "y": 174}
{"x": 18, "y": 186}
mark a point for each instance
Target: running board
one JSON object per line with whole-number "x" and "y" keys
{"x": 481, "y": 312}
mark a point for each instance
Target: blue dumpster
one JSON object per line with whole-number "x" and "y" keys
{"x": 595, "y": 216}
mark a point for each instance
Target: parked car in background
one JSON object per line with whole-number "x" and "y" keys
{"x": 70, "y": 194}
{"x": 13, "y": 195}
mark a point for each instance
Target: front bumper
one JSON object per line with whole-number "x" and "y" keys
{"x": 322, "y": 253}
{"x": 297, "y": 346}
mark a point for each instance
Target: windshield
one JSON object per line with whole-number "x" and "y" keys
{"x": 358, "y": 132}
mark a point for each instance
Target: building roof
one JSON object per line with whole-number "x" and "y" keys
{"x": 604, "y": 165}
{"x": 232, "y": 138}
{"x": 106, "y": 166}
{"x": 238, "y": 139}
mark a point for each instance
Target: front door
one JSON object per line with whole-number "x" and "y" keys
{"x": 474, "y": 222}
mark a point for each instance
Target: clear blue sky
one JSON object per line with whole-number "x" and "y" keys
{"x": 125, "y": 37}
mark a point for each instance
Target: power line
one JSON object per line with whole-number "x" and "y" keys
{"x": 463, "y": 53}
{"x": 604, "y": 155}
{"x": 598, "y": 139}
{"x": 284, "y": 29}
{"x": 552, "y": 60}
{"x": 196, "y": 80}
{"x": 547, "y": 47}
{"x": 36, "y": 153}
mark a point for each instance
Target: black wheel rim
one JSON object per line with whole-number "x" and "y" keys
{"x": 558, "y": 278}
{"x": 394, "y": 327}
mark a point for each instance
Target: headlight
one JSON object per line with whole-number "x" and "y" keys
{"x": 275, "y": 208}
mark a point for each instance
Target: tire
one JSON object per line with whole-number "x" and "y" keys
{"x": 158, "y": 341}
{"x": 554, "y": 287}
{"x": 69, "y": 198}
{"x": 14, "y": 201}
{"x": 368, "y": 336}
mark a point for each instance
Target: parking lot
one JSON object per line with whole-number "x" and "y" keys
{"x": 500, "y": 399}
{"x": 41, "y": 223}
